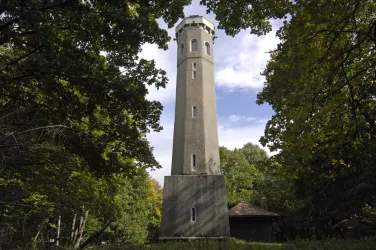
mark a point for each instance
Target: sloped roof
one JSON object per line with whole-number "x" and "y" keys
{"x": 248, "y": 210}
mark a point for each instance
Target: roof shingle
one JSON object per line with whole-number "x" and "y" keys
{"x": 248, "y": 210}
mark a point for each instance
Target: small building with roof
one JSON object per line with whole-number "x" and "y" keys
{"x": 252, "y": 223}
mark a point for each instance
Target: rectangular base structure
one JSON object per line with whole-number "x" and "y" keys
{"x": 194, "y": 207}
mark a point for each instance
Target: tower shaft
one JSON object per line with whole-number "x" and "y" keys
{"x": 195, "y": 145}
{"x": 194, "y": 196}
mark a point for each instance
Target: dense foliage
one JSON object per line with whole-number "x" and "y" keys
{"x": 244, "y": 172}
{"x": 74, "y": 116}
{"x": 251, "y": 176}
{"x": 321, "y": 83}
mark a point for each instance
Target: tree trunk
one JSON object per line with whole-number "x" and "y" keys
{"x": 58, "y": 231}
{"x": 76, "y": 232}
{"x": 81, "y": 229}
{"x": 41, "y": 227}
{"x": 72, "y": 233}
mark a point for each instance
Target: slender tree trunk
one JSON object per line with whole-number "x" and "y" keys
{"x": 81, "y": 229}
{"x": 77, "y": 231}
{"x": 58, "y": 231}
{"x": 36, "y": 236}
{"x": 72, "y": 233}
{"x": 96, "y": 234}
{"x": 41, "y": 226}
{"x": 75, "y": 236}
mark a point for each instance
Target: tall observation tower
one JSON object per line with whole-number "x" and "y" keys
{"x": 194, "y": 196}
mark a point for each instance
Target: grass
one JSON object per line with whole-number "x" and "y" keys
{"x": 234, "y": 244}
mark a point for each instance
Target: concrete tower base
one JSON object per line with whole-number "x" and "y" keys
{"x": 207, "y": 195}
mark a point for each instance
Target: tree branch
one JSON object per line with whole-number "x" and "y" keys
{"x": 11, "y": 113}
{"x": 56, "y": 5}
{"x": 9, "y": 23}
{"x": 24, "y": 56}
{"x": 352, "y": 101}
{"x": 25, "y": 205}
{"x": 34, "y": 129}
{"x": 96, "y": 234}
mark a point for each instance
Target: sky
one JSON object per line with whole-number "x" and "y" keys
{"x": 238, "y": 62}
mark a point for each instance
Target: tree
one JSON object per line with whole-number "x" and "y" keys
{"x": 255, "y": 155}
{"x": 234, "y": 16}
{"x": 155, "y": 198}
{"x": 321, "y": 84}
{"x": 138, "y": 202}
{"x": 243, "y": 178}
{"x": 327, "y": 143}
{"x": 73, "y": 103}
{"x": 273, "y": 186}
{"x": 251, "y": 175}
{"x": 60, "y": 185}
{"x": 53, "y": 74}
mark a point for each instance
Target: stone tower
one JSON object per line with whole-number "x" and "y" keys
{"x": 194, "y": 196}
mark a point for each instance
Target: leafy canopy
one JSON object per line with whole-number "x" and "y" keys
{"x": 320, "y": 82}
{"x": 74, "y": 113}
{"x": 74, "y": 64}
{"x": 244, "y": 170}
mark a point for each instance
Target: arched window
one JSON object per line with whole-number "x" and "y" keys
{"x": 194, "y": 111}
{"x": 194, "y": 162}
{"x": 207, "y": 48}
{"x": 193, "y": 214}
{"x": 181, "y": 49}
{"x": 194, "y": 65}
{"x": 194, "y": 45}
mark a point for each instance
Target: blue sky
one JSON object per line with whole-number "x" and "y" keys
{"x": 237, "y": 66}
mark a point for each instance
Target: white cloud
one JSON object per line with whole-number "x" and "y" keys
{"x": 234, "y": 118}
{"x": 165, "y": 60}
{"x": 162, "y": 60}
{"x": 237, "y": 118}
{"x": 249, "y": 119}
{"x": 234, "y": 78}
{"x": 162, "y": 143}
{"x": 243, "y": 59}
{"x": 236, "y": 137}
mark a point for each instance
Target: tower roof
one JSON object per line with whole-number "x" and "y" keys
{"x": 195, "y": 19}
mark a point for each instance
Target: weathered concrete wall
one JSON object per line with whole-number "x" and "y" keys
{"x": 207, "y": 193}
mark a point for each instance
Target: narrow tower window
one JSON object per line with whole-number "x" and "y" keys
{"x": 194, "y": 111}
{"x": 194, "y": 72}
{"x": 194, "y": 162}
{"x": 194, "y": 45}
{"x": 182, "y": 49}
{"x": 193, "y": 214}
{"x": 207, "y": 48}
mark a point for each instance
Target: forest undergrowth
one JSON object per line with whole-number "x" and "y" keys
{"x": 234, "y": 244}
